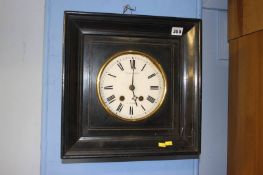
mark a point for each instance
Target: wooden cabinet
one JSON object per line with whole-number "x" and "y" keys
{"x": 245, "y": 127}
{"x": 245, "y": 141}
{"x": 245, "y": 16}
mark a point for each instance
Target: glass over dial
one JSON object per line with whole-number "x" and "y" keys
{"x": 131, "y": 86}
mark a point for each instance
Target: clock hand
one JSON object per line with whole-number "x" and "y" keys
{"x": 132, "y": 87}
{"x": 133, "y": 78}
{"x": 134, "y": 98}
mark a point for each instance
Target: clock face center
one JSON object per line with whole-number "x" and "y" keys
{"x": 132, "y": 87}
{"x": 131, "y": 69}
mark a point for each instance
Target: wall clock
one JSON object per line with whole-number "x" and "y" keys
{"x": 131, "y": 87}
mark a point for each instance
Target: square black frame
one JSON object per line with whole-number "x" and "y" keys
{"x": 84, "y": 37}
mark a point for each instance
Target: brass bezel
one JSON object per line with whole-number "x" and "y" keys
{"x": 159, "y": 67}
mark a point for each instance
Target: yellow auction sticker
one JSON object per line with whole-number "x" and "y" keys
{"x": 161, "y": 144}
{"x": 169, "y": 143}
{"x": 165, "y": 144}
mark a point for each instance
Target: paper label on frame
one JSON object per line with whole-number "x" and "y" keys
{"x": 177, "y": 31}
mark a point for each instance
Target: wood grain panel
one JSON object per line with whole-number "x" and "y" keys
{"x": 260, "y": 123}
{"x": 253, "y": 16}
{"x": 245, "y": 16}
{"x": 235, "y": 18}
{"x": 245, "y": 140}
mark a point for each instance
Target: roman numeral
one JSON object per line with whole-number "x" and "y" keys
{"x": 112, "y": 75}
{"x": 119, "y": 108}
{"x": 152, "y": 75}
{"x": 108, "y": 87}
{"x": 120, "y": 66}
{"x": 150, "y": 99}
{"x": 154, "y": 87}
{"x": 143, "y": 108}
{"x": 132, "y": 63}
{"x": 111, "y": 99}
{"x": 143, "y": 67}
{"x": 131, "y": 110}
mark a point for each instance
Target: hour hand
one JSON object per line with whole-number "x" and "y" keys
{"x": 134, "y": 98}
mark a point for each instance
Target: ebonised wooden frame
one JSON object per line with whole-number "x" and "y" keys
{"x": 84, "y": 137}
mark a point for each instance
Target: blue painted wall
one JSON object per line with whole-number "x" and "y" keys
{"x": 214, "y": 111}
{"x": 51, "y": 163}
{"x": 213, "y": 160}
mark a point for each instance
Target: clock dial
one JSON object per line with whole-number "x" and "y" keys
{"x": 131, "y": 86}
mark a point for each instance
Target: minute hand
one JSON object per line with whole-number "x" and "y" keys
{"x": 133, "y": 78}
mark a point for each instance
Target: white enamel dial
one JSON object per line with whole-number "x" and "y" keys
{"x": 131, "y": 86}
